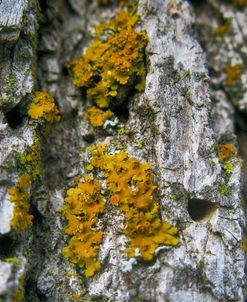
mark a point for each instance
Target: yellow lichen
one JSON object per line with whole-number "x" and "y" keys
{"x": 225, "y": 151}
{"x": 132, "y": 188}
{"x": 240, "y": 3}
{"x": 97, "y": 117}
{"x": 43, "y": 106}
{"x": 115, "y": 58}
{"x": 244, "y": 244}
{"x": 83, "y": 205}
{"x": 233, "y": 74}
{"x": 224, "y": 27}
{"x": 107, "y": 2}
{"x": 20, "y": 196}
{"x": 69, "y": 274}
{"x": 75, "y": 296}
{"x": 104, "y": 2}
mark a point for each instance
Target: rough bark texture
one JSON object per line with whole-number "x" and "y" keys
{"x": 186, "y": 110}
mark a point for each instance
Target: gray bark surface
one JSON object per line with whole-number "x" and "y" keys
{"x": 184, "y": 112}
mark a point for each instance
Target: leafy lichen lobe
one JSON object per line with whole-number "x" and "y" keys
{"x": 131, "y": 185}
{"x": 43, "y": 106}
{"x": 83, "y": 205}
{"x": 96, "y": 116}
{"x": 20, "y": 196}
{"x": 114, "y": 59}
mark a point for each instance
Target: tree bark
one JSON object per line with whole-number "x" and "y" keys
{"x": 187, "y": 110}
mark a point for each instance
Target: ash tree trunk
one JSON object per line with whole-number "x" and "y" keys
{"x": 189, "y": 123}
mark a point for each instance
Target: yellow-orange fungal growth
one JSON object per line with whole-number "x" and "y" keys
{"x": 132, "y": 188}
{"x": 115, "y": 58}
{"x": 233, "y": 74}
{"x": 104, "y": 2}
{"x": 97, "y": 117}
{"x": 225, "y": 151}
{"x": 107, "y": 2}
{"x": 19, "y": 195}
{"x": 244, "y": 244}
{"x": 43, "y": 106}
{"x": 83, "y": 205}
{"x": 224, "y": 27}
{"x": 240, "y": 3}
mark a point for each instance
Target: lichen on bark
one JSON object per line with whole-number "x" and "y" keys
{"x": 183, "y": 123}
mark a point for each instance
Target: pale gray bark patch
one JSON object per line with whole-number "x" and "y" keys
{"x": 11, "y": 19}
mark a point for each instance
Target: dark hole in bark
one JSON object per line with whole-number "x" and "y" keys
{"x": 201, "y": 210}
{"x": 6, "y": 246}
{"x": 240, "y": 121}
{"x": 65, "y": 70}
{"x": 121, "y": 111}
{"x": 197, "y": 2}
{"x": 38, "y": 218}
{"x": 43, "y": 4}
{"x": 15, "y": 117}
{"x": 89, "y": 138}
{"x": 33, "y": 294}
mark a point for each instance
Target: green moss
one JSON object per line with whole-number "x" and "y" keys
{"x": 223, "y": 189}
{"x": 174, "y": 197}
{"x": 30, "y": 161}
{"x": 139, "y": 144}
{"x": 5, "y": 100}
{"x": 199, "y": 76}
{"x": 15, "y": 261}
{"x": 121, "y": 131}
{"x": 170, "y": 75}
{"x": 11, "y": 80}
{"x": 25, "y": 20}
{"x": 177, "y": 79}
{"x": 228, "y": 168}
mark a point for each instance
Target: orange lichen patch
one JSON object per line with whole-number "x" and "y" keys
{"x": 83, "y": 205}
{"x": 20, "y": 196}
{"x": 225, "y": 151}
{"x": 69, "y": 274}
{"x": 77, "y": 179}
{"x": 244, "y": 243}
{"x": 131, "y": 184}
{"x": 75, "y": 296}
{"x": 107, "y": 2}
{"x": 223, "y": 28}
{"x": 114, "y": 200}
{"x": 233, "y": 74}
{"x": 240, "y": 3}
{"x": 43, "y": 106}
{"x": 97, "y": 117}
{"x": 104, "y": 2}
{"x": 115, "y": 58}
